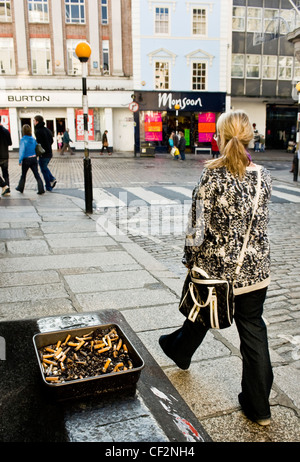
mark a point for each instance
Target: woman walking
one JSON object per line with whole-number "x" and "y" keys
{"x": 28, "y": 159}
{"x": 220, "y": 215}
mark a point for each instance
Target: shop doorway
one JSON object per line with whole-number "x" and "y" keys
{"x": 280, "y": 126}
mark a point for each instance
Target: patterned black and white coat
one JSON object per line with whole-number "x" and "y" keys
{"x": 218, "y": 220}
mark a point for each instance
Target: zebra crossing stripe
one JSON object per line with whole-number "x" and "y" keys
{"x": 286, "y": 196}
{"x": 106, "y": 199}
{"x": 149, "y": 196}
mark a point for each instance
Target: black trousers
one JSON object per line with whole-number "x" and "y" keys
{"x": 257, "y": 376}
{"x": 30, "y": 163}
{"x": 4, "y": 180}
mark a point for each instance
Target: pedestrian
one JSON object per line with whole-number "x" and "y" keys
{"x": 175, "y": 145}
{"x": 214, "y": 147}
{"x": 28, "y": 159}
{"x": 170, "y": 141}
{"x": 59, "y": 140}
{"x": 219, "y": 217}
{"x": 295, "y": 165}
{"x": 105, "y": 144}
{"x": 45, "y": 139}
{"x": 66, "y": 143}
{"x": 5, "y": 141}
{"x": 256, "y": 138}
{"x": 182, "y": 145}
{"x": 262, "y": 142}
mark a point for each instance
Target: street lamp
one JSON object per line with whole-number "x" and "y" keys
{"x": 177, "y": 107}
{"x": 83, "y": 52}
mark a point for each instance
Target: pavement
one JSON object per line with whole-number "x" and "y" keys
{"x": 57, "y": 262}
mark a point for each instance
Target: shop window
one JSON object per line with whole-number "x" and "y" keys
{"x": 75, "y": 11}
{"x": 162, "y": 76}
{"x": 285, "y": 67}
{"x": 104, "y": 12}
{"x": 40, "y": 56}
{"x": 5, "y": 11}
{"x": 237, "y": 67}
{"x": 238, "y": 18}
{"x": 253, "y": 66}
{"x": 161, "y": 21}
{"x": 199, "y": 21}
{"x": 74, "y": 65}
{"x": 269, "y": 67}
{"x": 38, "y": 11}
{"x": 7, "y": 59}
{"x": 199, "y": 76}
{"x": 254, "y": 19}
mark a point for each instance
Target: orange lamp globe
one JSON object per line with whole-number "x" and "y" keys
{"x": 83, "y": 50}
{"x": 298, "y": 86}
{"x": 177, "y": 107}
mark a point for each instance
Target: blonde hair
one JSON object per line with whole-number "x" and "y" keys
{"x": 234, "y": 135}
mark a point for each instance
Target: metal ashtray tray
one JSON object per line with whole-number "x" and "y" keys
{"x": 87, "y": 361}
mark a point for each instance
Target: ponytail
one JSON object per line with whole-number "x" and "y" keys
{"x": 234, "y": 135}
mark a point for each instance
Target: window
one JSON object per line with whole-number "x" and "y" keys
{"x": 7, "y": 62}
{"x": 38, "y": 11}
{"x": 253, "y": 66}
{"x": 161, "y": 20}
{"x": 254, "y": 19}
{"x": 40, "y": 56}
{"x": 270, "y": 23}
{"x": 296, "y": 70}
{"x": 162, "y": 78}
{"x": 5, "y": 11}
{"x": 104, "y": 12}
{"x": 269, "y": 67}
{"x": 199, "y": 76}
{"x": 238, "y": 18}
{"x": 74, "y": 65}
{"x": 237, "y": 66}
{"x": 199, "y": 21}
{"x": 105, "y": 57}
{"x": 75, "y": 13}
{"x": 285, "y": 67}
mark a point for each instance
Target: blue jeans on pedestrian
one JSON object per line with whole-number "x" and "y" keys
{"x": 48, "y": 177}
{"x": 182, "y": 155}
{"x": 257, "y": 376}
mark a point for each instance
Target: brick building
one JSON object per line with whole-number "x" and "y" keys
{"x": 40, "y": 73}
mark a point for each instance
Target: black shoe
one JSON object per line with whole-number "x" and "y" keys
{"x": 41, "y": 192}
{"x": 5, "y": 191}
{"x": 19, "y": 190}
{"x": 163, "y": 344}
{"x": 53, "y": 183}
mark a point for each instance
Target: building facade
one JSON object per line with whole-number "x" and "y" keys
{"x": 40, "y": 73}
{"x": 181, "y": 59}
{"x": 264, "y": 68}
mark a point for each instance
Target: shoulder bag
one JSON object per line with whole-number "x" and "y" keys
{"x": 39, "y": 150}
{"x": 210, "y": 301}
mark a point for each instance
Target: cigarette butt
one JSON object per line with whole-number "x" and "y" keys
{"x": 108, "y": 340}
{"x": 57, "y": 353}
{"x": 47, "y": 361}
{"x": 48, "y": 356}
{"x": 99, "y": 345}
{"x": 89, "y": 334}
{"x": 106, "y": 364}
{"x": 58, "y": 344}
{"x": 51, "y": 379}
{"x": 62, "y": 359}
{"x": 66, "y": 340}
{"x": 119, "y": 344}
{"x": 50, "y": 349}
{"x": 117, "y": 366}
{"x": 73, "y": 344}
{"x": 80, "y": 345}
{"x": 104, "y": 349}
{"x": 125, "y": 348}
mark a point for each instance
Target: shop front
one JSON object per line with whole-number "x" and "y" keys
{"x": 160, "y": 113}
{"x": 62, "y": 110}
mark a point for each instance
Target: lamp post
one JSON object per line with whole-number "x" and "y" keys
{"x": 177, "y": 107}
{"x": 83, "y": 52}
